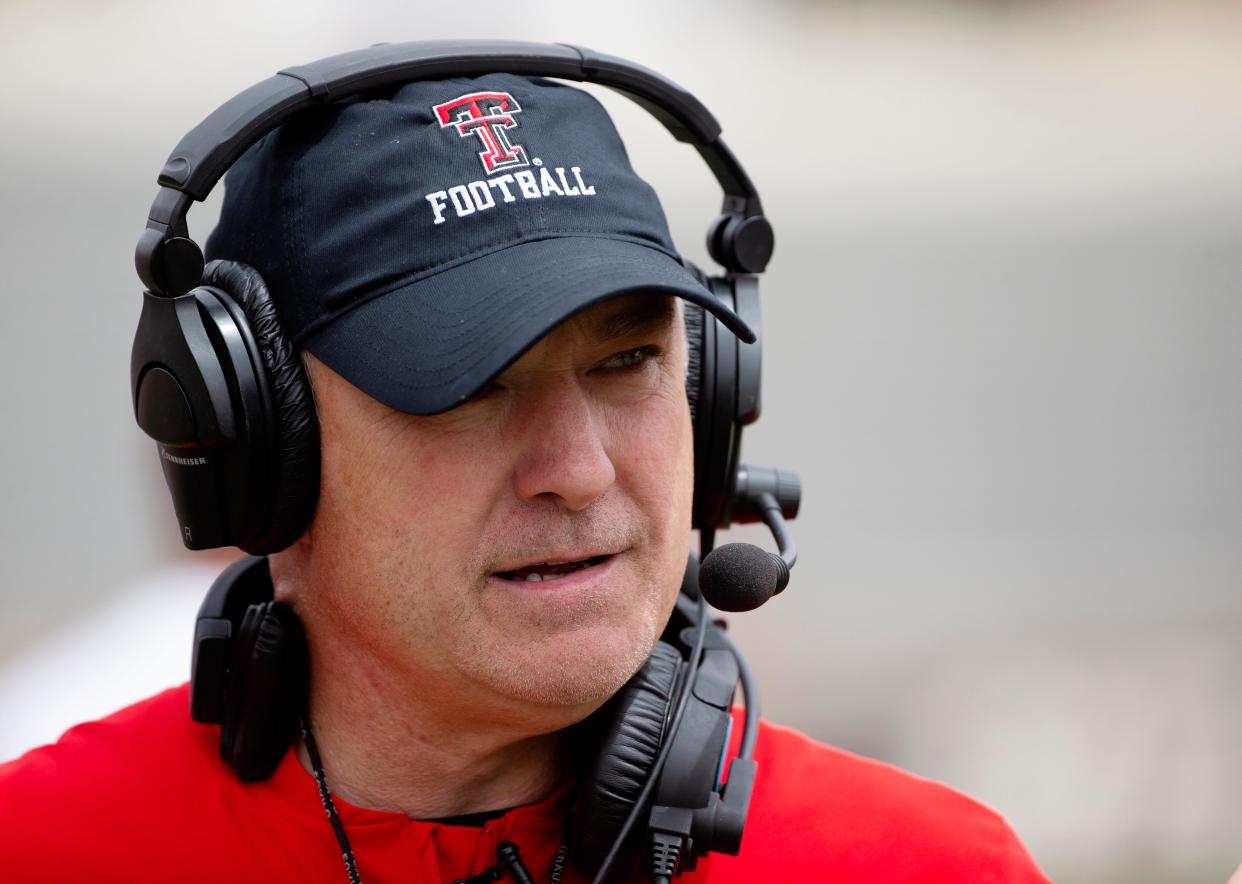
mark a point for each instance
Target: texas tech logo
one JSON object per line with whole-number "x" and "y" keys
{"x": 487, "y": 115}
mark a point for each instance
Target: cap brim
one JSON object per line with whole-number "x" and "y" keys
{"x": 428, "y": 346}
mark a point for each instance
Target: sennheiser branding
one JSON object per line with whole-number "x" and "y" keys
{"x": 488, "y": 115}
{"x": 183, "y": 461}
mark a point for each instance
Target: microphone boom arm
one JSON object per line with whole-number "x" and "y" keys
{"x": 770, "y": 512}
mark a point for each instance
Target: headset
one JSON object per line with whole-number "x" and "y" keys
{"x": 218, "y": 386}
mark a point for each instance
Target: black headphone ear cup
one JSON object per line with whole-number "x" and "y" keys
{"x": 266, "y": 692}
{"x": 296, "y": 424}
{"x": 628, "y": 731}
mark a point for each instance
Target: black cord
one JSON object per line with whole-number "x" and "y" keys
{"x": 665, "y": 853}
{"x": 770, "y": 512}
{"x": 750, "y": 699}
{"x": 329, "y": 806}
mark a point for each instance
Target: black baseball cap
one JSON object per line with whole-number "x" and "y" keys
{"x": 420, "y": 241}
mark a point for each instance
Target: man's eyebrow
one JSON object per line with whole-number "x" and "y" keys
{"x": 640, "y": 315}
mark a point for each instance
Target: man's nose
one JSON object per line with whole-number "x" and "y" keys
{"x": 563, "y": 454}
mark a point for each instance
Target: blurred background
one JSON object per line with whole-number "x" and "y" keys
{"x": 1001, "y": 346}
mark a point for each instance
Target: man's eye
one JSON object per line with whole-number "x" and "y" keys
{"x": 630, "y": 358}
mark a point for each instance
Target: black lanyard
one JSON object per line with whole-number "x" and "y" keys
{"x": 508, "y": 857}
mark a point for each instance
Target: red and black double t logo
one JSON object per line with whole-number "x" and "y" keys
{"x": 487, "y": 115}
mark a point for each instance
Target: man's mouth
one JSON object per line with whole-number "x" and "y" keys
{"x": 537, "y": 573}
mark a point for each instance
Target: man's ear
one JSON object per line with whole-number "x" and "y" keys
{"x": 287, "y": 569}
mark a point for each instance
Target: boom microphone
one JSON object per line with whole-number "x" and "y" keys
{"x": 741, "y": 577}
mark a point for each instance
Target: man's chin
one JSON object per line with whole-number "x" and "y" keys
{"x": 573, "y": 674}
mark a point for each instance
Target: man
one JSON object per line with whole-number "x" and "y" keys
{"x": 498, "y": 365}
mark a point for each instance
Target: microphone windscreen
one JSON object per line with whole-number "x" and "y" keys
{"x": 738, "y": 577}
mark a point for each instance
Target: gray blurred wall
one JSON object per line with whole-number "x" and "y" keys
{"x": 1001, "y": 347}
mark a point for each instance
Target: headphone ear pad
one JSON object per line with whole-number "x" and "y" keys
{"x": 629, "y": 731}
{"x": 297, "y": 425}
{"x": 693, "y": 316}
{"x": 267, "y": 691}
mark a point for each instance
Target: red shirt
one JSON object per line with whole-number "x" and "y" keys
{"x": 143, "y": 796}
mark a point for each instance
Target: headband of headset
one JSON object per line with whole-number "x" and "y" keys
{"x": 170, "y": 263}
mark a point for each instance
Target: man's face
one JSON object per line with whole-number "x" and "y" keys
{"x": 527, "y": 546}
